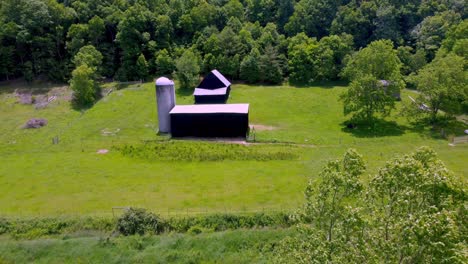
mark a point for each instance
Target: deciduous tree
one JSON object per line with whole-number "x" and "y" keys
{"x": 410, "y": 212}
{"x": 430, "y": 33}
{"x": 443, "y": 85}
{"x": 375, "y": 78}
{"x": 90, "y": 56}
{"x": 188, "y": 69}
{"x": 83, "y": 85}
{"x": 413, "y": 201}
{"x": 164, "y": 63}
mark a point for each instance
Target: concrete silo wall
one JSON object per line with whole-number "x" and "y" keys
{"x": 165, "y": 97}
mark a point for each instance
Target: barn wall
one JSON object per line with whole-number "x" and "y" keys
{"x": 210, "y": 99}
{"x": 209, "y": 125}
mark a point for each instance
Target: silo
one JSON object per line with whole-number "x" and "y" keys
{"x": 165, "y": 97}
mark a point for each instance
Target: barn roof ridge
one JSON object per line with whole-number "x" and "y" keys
{"x": 221, "y": 77}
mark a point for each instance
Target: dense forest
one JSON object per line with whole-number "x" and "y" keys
{"x": 250, "y": 40}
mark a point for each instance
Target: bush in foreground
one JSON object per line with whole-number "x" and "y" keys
{"x": 139, "y": 221}
{"x": 412, "y": 211}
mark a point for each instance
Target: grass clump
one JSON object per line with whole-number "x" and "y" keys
{"x": 195, "y": 151}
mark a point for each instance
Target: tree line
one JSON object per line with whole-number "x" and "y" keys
{"x": 256, "y": 41}
{"x": 251, "y": 40}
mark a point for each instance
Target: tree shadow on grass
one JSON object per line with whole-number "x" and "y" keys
{"x": 83, "y": 107}
{"x": 383, "y": 128}
{"x": 444, "y": 128}
{"x": 377, "y": 128}
{"x": 321, "y": 84}
{"x": 80, "y": 107}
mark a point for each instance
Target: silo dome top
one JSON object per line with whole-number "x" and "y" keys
{"x": 163, "y": 81}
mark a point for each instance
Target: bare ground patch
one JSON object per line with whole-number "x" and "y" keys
{"x": 236, "y": 140}
{"x": 241, "y": 141}
{"x": 260, "y": 127}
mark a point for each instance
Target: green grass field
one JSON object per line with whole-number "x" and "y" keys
{"x": 38, "y": 178}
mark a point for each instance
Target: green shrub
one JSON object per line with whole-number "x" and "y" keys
{"x": 40, "y": 227}
{"x": 139, "y": 221}
{"x": 33, "y": 228}
{"x": 220, "y": 222}
{"x": 4, "y": 226}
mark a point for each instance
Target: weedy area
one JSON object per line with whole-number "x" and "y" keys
{"x": 131, "y": 237}
{"x": 194, "y": 151}
{"x": 235, "y": 246}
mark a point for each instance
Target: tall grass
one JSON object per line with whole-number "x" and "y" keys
{"x": 32, "y": 228}
{"x": 239, "y": 246}
{"x": 197, "y": 151}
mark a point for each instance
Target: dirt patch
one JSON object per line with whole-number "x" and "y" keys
{"x": 42, "y": 98}
{"x": 62, "y": 92}
{"x": 240, "y": 141}
{"x": 24, "y": 97}
{"x": 41, "y": 101}
{"x": 106, "y": 91}
{"x": 110, "y": 132}
{"x": 259, "y": 127}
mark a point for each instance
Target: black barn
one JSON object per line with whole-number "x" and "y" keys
{"x": 214, "y": 89}
{"x": 214, "y": 120}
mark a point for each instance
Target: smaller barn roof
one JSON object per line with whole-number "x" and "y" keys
{"x": 221, "y": 77}
{"x": 214, "y": 80}
{"x": 202, "y": 91}
{"x": 211, "y": 109}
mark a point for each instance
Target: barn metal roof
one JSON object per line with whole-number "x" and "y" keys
{"x": 221, "y": 77}
{"x": 203, "y": 91}
{"x": 211, "y": 109}
{"x": 214, "y": 80}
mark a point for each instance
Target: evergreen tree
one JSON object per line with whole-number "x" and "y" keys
{"x": 249, "y": 68}
{"x": 142, "y": 67}
{"x": 270, "y": 66}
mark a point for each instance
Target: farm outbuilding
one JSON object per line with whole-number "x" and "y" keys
{"x": 213, "y": 120}
{"x": 214, "y": 89}
{"x": 385, "y": 84}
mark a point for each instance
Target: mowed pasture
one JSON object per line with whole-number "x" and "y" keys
{"x": 297, "y": 131}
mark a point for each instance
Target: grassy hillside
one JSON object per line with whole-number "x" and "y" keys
{"x": 39, "y": 178}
